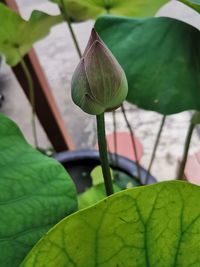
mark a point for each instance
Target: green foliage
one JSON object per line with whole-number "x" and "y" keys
{"x": 157, "y": 225}
{"x": 161, "y": 59}
{"x": 36, "y": 193}
{"x": 97, "y": 192}
{"x": 17, "y": 36}
{"x": 97, "y": 175}
{"x": 80, "y": 10}
{"x": 125, "y": 181}
{"x": 94, "y": 194}
{"x": 194, "y": 4}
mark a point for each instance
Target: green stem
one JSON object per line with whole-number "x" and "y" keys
{"x": 155, "y": 147}
{"x": 67, "y": 19}
{"x": 103, "y": 154}
{"x": 108, "y": 10}
{"x": 32, "y": 99}
{"x": 185, "y": 152}
{"x": 107, "y": 6}
{"x": 132, "y": 140}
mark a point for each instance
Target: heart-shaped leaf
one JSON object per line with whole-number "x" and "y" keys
{"x": 35, "y": 193}
{"x": 194, "y": 4}
{"x": 156, "y": 225}
{"x": 161, "y": 59}
{"x": 80, "y": 10}
{"x": 17, "y": 36}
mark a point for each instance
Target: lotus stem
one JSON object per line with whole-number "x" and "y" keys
{"x": 67, "y": 19}
{"x": 132, "y": 140}
{"x": 103, "y": 154}
{"x": 185, "y": 152}
{"x": 107, "y": 6}
{"x": 32, "y": 99}
{"x": 155, "y": 147}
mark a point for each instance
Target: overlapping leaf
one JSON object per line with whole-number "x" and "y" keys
{"x": 157, "y": 225}
{"x": 35, "y": 193}
{"x": 161, "y": 59}
{"x": 80, "y": 10}
{"x": 195, "y": 4}
{"x": 97, "y": 192}
{"x": 17, "y": 36}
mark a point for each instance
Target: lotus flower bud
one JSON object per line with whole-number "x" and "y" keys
{"x": 99, "y": 83}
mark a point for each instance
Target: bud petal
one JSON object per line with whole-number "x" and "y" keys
{"x": 99, "y": 83}
{"x": 93, "y": 37}
{"x": 81, "y": 93}
{"x": 105, "y": 76}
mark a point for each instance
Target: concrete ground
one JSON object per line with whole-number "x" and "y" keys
{"x": 59, "y": 58}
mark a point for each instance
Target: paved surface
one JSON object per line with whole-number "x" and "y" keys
{"x": 59, "y": 58}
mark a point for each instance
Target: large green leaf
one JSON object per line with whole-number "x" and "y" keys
{"x": 156, "y": 225}
{"x": 79, "y": 10}
{"x": 35, "y": 193}
{"x": 17, "y": 36}
{"x": 161, "y": 58}
{"x": 195, "y": 4}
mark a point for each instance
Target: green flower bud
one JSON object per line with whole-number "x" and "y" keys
{"x": 99, "y": 83}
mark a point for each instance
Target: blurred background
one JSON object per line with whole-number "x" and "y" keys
{"x": 59, "y": 58}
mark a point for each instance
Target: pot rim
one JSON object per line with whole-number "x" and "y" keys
{"x": 124, "y": 164}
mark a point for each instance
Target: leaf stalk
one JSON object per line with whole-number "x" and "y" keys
{"x": 32, "y": 99}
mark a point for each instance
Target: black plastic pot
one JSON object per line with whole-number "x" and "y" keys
{"x": 80, "y": 163}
